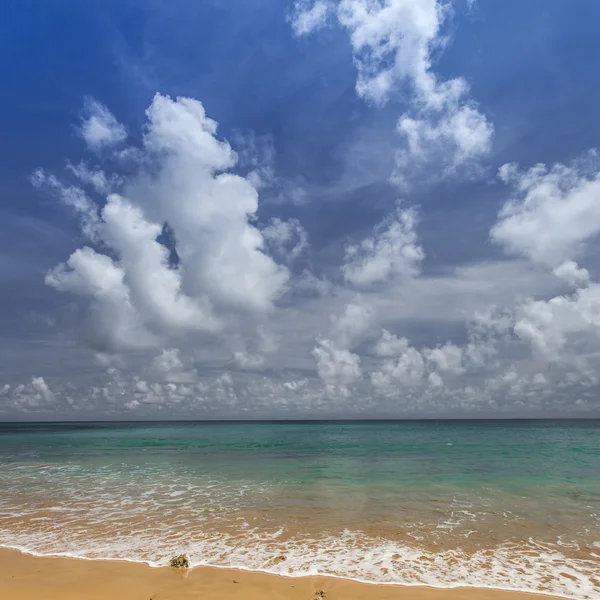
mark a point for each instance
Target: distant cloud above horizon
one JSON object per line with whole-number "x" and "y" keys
{"x": 340, "y": 218}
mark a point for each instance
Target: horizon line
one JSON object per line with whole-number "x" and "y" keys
{"x": 298, "y": 420}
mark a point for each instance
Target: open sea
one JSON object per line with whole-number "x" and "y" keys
{"x": 506, "y": 504}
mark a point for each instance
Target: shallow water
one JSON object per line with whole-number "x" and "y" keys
{"x": 511, "y": 504}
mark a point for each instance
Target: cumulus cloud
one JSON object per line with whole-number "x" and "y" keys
{"x": 408, "y": 385}
{"x": 41, "y": 389}
{"x": 137, "y": 296}
{"x": 155, "y": 287}
{"x": 456, "y": 140}
{"x": 406, "y": 370}
{"x": 550, "y": 219}
{"x": 559, "y": 324}
{"x": 393, "y": 43}
{"x": 170, "y": 367}
{"x": 553, "y": 212}
{"x": 29, "y": 397}
{"x": 390, "y": 345}
{"x": 337, "y": 367}
{"x": 348, "y": 328}
{"x": 99, "y": 127}
{"x": 392, "y": 251}
{"x": 572, "y": 274}
{"x": 446, "y": 359}
{"x": 437, "y": 371}
{"x": 208, "y": 208}
{"x": 114, "y": 323}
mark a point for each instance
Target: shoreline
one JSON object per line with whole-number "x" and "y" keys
{"x": 25, "y": 576}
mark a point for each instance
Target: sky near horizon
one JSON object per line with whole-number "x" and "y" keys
{"x": 278, "y": 209}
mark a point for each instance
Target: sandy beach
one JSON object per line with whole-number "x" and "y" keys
{"x": 26, "y": 577}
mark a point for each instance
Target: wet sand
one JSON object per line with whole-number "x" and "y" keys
{"x": 26, "y": 577}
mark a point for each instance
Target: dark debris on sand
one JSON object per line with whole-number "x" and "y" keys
{"x": 180, "y": 562}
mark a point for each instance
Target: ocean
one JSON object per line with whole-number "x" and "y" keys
{"x": 503, "y": 504}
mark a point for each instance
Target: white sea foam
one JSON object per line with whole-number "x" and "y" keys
{"x": 534, "y": 567}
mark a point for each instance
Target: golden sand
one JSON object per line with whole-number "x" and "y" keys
{"x": 25, "y": 577}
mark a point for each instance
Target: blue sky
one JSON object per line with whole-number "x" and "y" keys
{"x": 377, "y": 274}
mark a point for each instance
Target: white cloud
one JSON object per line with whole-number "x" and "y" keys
{"x": 456, "y": 140}
{"x": 155, "y": 287}
{"x": 208, "y": 208}
{"x": 71, "y": 196}
{"x": 40, "y": 387}
{"x": 392, "y": 251}
{"x": 114, "y": 321}
{"x": 94, "y": 177}
{"x": 486, "y": 331}
{"x": 405, "y": 385}
{"x": 572, "y": 274}
{"x": 555, "y": 327}
{"x": 390, "y": 345}
{"x": 393, "y": 42}
{"x": 170, "y": 367}
{"x": 352, "y": 324}
{"x": 406, "y": 370}
{"x": 182, "y": 180}
{"x": 439, "y": 369}
{"x": 99, "y": 127}
{"x": 309, "y": 16}
{"x": 552, "y": 213}
{"x": 29, "y": 397}
{"x": 551, "y": 218}
{"x": 336, "y": 366}
{"x": 446, "y": 359}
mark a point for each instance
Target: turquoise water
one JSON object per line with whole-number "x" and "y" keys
{"x": 511, "y": 504}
